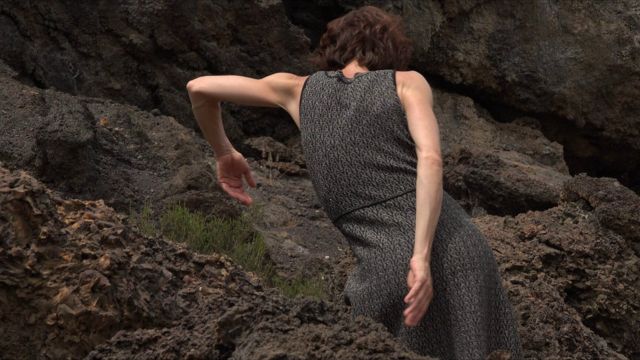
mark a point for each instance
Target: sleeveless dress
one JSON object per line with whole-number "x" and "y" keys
{"x": 362, "y": 163}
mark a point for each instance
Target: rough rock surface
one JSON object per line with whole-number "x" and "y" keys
{"x": 573, "y": 271}
{"x": 144, "y": 52}
{"x": 73, "y": 275}
{"x": 499, "y": 168}
{"x": 71, "y": 267}
{"x": 547, "y": 60}
{"x": 575, "y": 65}
{"x": 95, "y": 148}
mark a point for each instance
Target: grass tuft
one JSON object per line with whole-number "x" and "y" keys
{"x": 235, "y": 238}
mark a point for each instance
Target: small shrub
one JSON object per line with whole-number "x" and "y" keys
{"x": 235, "y": 238}
{"x": 301, "y": 285}
{"x": 144, "y": 220}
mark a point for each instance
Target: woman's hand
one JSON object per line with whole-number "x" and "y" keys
{"x": 230, "y": 168}
{"x": 420, "y": 293}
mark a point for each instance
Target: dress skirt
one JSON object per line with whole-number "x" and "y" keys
{"x": 470, "y": 314}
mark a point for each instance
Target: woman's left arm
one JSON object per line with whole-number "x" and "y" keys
{"x": 206, "y": 93}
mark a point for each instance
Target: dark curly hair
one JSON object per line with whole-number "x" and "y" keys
{"x": 369, "y": 34}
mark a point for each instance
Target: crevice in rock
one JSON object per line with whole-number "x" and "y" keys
{"x": 225, "y": 351}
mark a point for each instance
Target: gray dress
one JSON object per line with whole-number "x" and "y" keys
{"x": 362, "y": 163}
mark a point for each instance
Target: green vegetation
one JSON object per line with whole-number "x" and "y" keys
{"x": 233, "y": 237}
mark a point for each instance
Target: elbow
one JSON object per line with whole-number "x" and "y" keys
{"x": 198, "y": 94}
{"x": 195, "y": 96}
{"x": 197, "y": 87}
{"x": 192, "y": 86}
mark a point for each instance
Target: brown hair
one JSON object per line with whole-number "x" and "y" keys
{"x": 369, "y": 34}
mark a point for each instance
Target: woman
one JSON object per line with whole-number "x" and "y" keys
{"x": 371, "y": 143}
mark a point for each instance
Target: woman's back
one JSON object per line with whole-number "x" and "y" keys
{"x": 355, "y": 139}
{"x": 363, "y": 165}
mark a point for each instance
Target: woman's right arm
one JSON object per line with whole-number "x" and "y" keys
{"x": 417, "y": 99}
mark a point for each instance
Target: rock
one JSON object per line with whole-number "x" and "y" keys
{"x": 553, "y": 59}
{"x": 97, "y": 149}
{"x": 144, "y": 55}
{"x": 573, "y": 277}
{"x": 77, "y": 281}
{"x": 501, "y": 168}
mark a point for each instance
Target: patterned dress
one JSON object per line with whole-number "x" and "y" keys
{"x": 362, "y": 162}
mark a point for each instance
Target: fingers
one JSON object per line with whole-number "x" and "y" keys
{"x": 419, "y": 298}
{"x": 412, "y": 293}
{"x": 248, "y": 177}
{"x": 413, "y": 297}
{"x": 414, "y": 315}
{"x": 237, "y": 193}
{"x": 415, "y": 283}
{"x": 230, "y": 171}
{"x": 419, "y": 302}
{"x": 235, "y": 187}
{"x": 410, "y": 279}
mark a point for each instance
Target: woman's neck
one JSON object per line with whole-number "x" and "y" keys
{"x": 352, "y": 68}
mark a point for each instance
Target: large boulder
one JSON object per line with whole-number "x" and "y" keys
{"x": 144, "y": 53}
{"x": 573, "y": 271}
{"x": 573, "y": 64}
{"x": 499, "y": 168}
{"x": 95, "y": 148}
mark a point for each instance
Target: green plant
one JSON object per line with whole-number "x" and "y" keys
{"x": 233, "y": 237}
{"x": 301, "y": 285}
{"x": 144, "y": 220}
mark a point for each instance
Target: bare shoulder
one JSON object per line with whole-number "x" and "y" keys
{"x": 288, "y": 84}
{"x": 288, "y": 87}
{"x": 283, "y": 76}
{"x": 411, "y": 86}
{"x": 284, "y": 81}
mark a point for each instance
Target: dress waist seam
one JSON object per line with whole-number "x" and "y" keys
{"x": 335, "y": 219}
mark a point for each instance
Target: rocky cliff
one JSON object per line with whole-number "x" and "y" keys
{"x": 537, "y": 105}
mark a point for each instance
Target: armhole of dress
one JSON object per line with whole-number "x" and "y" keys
{"x": 395, "y": 81}
{"x": 304, "y": 85}
{"x": 395, "y": 88}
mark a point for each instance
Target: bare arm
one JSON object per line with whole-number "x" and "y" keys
{"x": 423, "y": 125}
{"x": 206, "y": 93}
{"x": 417, "y": 99}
